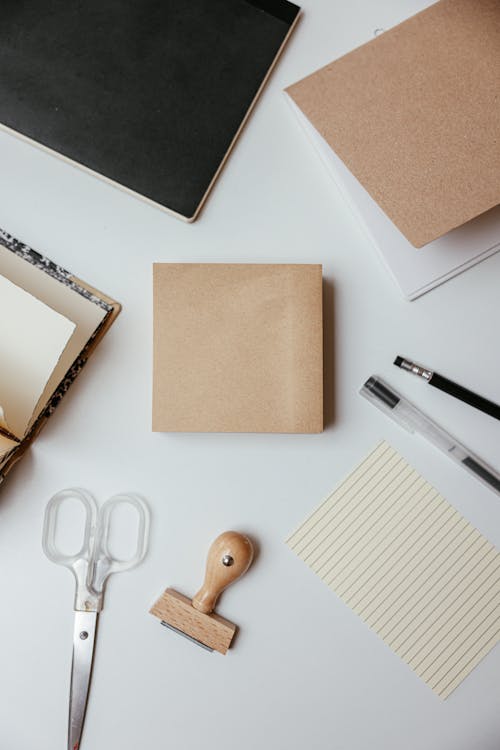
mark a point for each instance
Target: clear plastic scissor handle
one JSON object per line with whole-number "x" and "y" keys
{"x": 93, "y": 562}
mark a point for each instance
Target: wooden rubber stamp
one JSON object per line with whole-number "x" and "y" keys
{"x": 229, "y": 557}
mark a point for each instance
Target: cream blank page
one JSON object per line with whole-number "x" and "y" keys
{"x": 63, "y": 299}
{"x": 409, "y": 565}
{"x": 32, "y": 339}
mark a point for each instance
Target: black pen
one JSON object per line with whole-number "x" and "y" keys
{"x": 448, "y": 386}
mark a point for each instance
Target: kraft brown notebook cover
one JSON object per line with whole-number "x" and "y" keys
{"x": 51, "y": 323}
{"x": 415, "y": 116}
{"x": 237, "y": 348}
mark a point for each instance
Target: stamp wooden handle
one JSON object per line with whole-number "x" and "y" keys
{"x": 228, "y": 558}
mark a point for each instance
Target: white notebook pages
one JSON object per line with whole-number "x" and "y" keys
{"x": 416, "y": 271}
{"x": 422, "y": 577}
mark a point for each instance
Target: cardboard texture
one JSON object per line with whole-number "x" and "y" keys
{"x": 237, "y": 348}
{"x": 414, "y": 114}
{"x": 414, "y": 271}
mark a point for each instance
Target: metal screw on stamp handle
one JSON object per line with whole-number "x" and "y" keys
{"x": 227, "y": 560}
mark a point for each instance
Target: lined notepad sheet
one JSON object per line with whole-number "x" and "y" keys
{"x": 422, "y": 577}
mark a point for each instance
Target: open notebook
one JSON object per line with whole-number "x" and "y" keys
{"x": 406, "y": 127}
{"x": 51, "y": 323}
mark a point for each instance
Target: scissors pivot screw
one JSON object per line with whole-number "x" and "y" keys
{"x": 84, "y": 635}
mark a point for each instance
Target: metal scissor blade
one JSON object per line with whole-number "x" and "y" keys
{"x": 81, "y": 670}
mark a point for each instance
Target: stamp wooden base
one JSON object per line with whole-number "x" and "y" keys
{"x": 211, "y": 630}
{"x": 228, "y": 559}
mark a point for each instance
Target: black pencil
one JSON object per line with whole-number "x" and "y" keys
{"x": 448, "y": 386}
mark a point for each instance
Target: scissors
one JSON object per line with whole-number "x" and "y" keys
{"x": 91, "y": 566}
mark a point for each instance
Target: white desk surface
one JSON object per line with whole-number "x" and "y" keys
{"x": 305, "y": 672}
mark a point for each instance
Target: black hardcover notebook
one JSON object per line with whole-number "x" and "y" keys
{"x": 150, "y": 94}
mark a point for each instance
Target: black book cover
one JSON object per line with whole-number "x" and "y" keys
{"x": 147, "y": 93}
